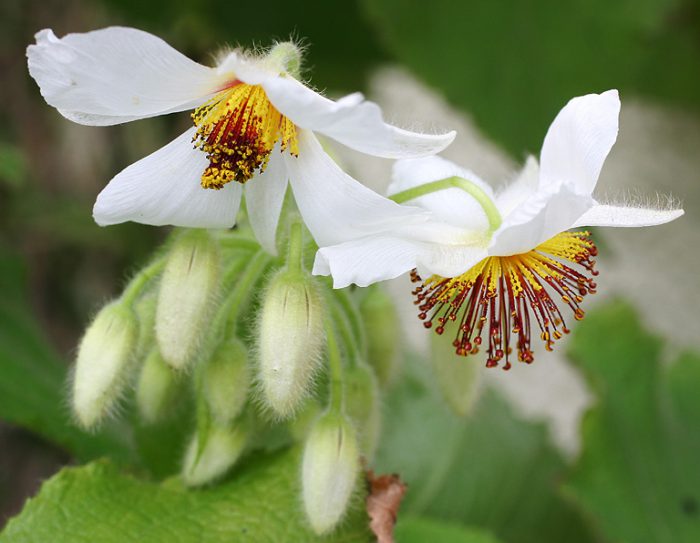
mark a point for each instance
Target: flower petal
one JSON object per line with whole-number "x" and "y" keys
{"x": 553, "y": 209}
{"x": 453, "y": 206}
{"x": 351, "y": 120}
{"x": 164, "y": 188}
{"x": 607, "y": 215}
{"x": 336, "y": 207}
{"x": 517, "y": 192}
{"x": 115, "y": 75}
{"x": 264, "y": 196}
{"x": 367, "y": 260}
{"x": 579, "y": 140}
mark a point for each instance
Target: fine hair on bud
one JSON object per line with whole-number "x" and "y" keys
{"x": 103, "y": 363}
{"x": 226, "y": 380}
{"x": 187, "y": 297}
{"x": 157, "y": 388}
{"x": 209, "y": 459}
{"x": 330, "y": 469}
{"x": 362, "y": 405}
{"x": 290, "y": 341}
{"x": 383, "y": 332}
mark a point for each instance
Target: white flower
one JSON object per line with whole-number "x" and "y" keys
{"x": 254, "y": 130}
{"x": 494, "y": 262}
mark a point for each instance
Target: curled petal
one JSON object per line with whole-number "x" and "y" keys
{"x": 607, "y": 215}
{"x": 252, "y": 71}
{"x": 579, "y": 140}
{"x": 264, "y": 196}
{"x": 115, "y": 75}
{"x": 453, "y": 205}
{"x": 336, "y": 207}
{"x": 553, "y": 209}
{"x": 352, "y": 121}
{"x": 517, "y": 192}
{"x": 164, "y": 188}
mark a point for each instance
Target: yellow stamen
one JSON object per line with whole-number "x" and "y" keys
{"x": 238, "y": 129}
{"x": 503, "y": 291}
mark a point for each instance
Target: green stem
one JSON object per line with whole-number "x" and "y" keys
{"x": 296, "y": 246}
{"x": 353, "y": 316}
{"x": 342, "y": 321}
{"x": 138, "y": 283}
{"x": 335, "y": 368}
{"x": 471, "y": 188}
{"x": 234, "y": 302}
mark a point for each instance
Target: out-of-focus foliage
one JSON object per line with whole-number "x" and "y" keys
{"x": 420, "y": 530}
{"x": 638, "y": 477}
{"x": 513, "y": 65}
{"x": 98, "y": 503}
{"x": 490, "y": 470}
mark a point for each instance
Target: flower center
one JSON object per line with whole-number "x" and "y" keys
{"x": 237, "y": 129}
{"x": 503, "y": 293}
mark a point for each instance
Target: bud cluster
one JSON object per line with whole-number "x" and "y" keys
{"x": 254, "y": 343}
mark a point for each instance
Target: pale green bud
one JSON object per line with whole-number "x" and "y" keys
{"x": 382, "y": 331}
{"x": 187, "y": 297}
{"x": 291, "y": 341}
{"x": 220, "y": 450}
{"x": 157, "y": 388}
{"x": 285, "y": 57}
{"x": 103, "y": 363}
{"x": 226, "y": 380}
{"x": 330, "y": 469}
{"x": 458, "y": 377}
{"x": 362, "y": 405}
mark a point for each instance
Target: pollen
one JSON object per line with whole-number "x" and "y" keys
{"x": 238, "y": 129}
{"x": 497, "y": 304}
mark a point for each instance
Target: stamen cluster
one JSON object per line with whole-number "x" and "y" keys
{"x": 237, "y": 129}
{"x": 503, "y": 293}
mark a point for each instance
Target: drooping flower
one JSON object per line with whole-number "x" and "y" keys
{"x": 254, "y": 125}
{"x": 498, "y": 267}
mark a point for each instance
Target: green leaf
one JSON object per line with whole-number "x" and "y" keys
{"x": 490, "y": 470}
{"x": 638, "y": 474}
{"x": 421, "y": 530}
{"x": 259, "y": 504}
{"x": 513, "y": 65}
{"x": 33, "y": 378}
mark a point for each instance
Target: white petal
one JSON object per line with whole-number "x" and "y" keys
{"x": 579, "y": 140}
{"x": 553, "y": 209}
{"x": 450, "y": 260}
{"x": 115, "y": 75}
{"x": 164, "y": 188}
{"x": 607, "y": 215}
{"x": 264, "y": 196}
{"x": 250, "y": 70}
{"x": 334, "y": 206}
{"x": 367, "y": 260}
{"x": 517, "y": 192}
{"x": 453, "y": 206}
{"x": 351, "y": 120}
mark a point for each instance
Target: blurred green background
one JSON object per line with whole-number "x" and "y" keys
{"x": 508, "y": 66}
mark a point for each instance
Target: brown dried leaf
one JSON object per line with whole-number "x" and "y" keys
{"x": 383, "y": 501}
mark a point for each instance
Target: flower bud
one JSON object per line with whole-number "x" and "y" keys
{"x": 290, "y": 341}
{"x": 329, "y": 471}
{"x": 362, "y": 405}
{"x": 382, "y": 331}
{"x": 458, "y": 377}
{"x": 103, "y": 362}
{"x": 157, "y": 388}
{"x": 285, "y": 56}
{"x": 186, "y": 297}
{"x": 219, "y": 451}
{"x": 225, "y": 381}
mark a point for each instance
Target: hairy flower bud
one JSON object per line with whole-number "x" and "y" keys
{"x": 220, "y": 450}
{"x": 362, "y": 405}
{"x": 186, "y": 297}
{"x": 290, "y": 340}
{"x": 225, "y": 381}
{"x": 157, "y": 388}
{"x": 458, "y": 377}
{"x": 103, "y": 361}
{"x": 382, "y": 332}
{"x": 329, "y": 471}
